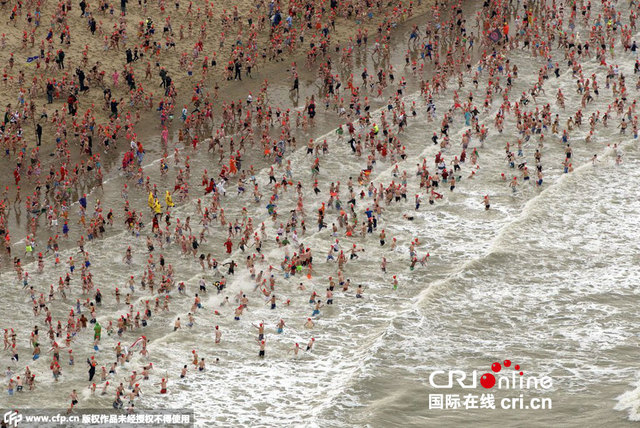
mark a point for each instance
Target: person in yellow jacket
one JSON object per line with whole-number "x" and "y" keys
{"x": 168, "y": 200}
{"x": 151, "y": 200}
{"x": 157, "y": 208}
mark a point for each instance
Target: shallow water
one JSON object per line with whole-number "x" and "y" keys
{"x": 547, "y": 278}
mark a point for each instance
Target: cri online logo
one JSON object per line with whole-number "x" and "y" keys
{"x": 514, "y": 380}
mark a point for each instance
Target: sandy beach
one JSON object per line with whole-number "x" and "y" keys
{"x": 400, "y": 192}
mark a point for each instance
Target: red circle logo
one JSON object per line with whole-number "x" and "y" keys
{"x": 487, "y": 380}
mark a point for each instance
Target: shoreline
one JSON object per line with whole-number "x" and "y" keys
{"x": 531, "y": 261}
{"x": 230, "y": 91}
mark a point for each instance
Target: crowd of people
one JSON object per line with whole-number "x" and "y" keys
{"x": 250, "y": 145}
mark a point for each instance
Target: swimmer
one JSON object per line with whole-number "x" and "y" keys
{"x": 310, "y": 344}
{"x": 295, "y": 349}
{"x": 163, "y": 386}
{"x": 309, "y": 324}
